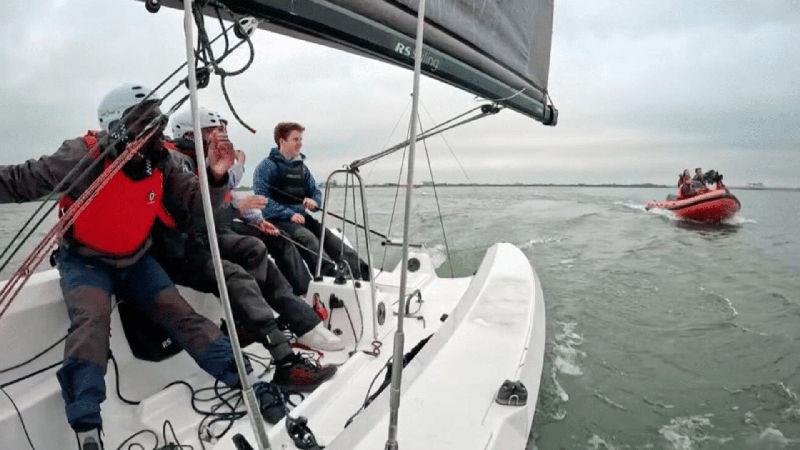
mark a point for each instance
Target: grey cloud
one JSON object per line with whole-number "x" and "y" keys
{"x": 645, "y": 88}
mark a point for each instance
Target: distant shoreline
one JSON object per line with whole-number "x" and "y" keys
{"x": 578, "y": 185}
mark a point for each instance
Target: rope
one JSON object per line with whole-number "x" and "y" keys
{"x": 24, "y": 272}
{"x": 77, "y": 168}
{"x": 334, "y": 215}
{"x": 21, "y": 420}
{"x": 288, "y": 238}
{"x": 34, "y": 357}
{"x": 205, "y": 45}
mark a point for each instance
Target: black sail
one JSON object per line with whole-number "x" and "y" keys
{"x": 497, "y": 49}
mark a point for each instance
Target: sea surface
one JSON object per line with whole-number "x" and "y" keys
{"x": 661, "y": 334}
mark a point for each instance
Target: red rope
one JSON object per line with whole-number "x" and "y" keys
{"x": 18, "y": 279}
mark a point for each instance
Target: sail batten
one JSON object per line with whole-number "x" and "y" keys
{"x": 499, "y": 51}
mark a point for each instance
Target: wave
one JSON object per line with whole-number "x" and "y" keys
{"x": 540, "y": 241}
{"x": 438, "y": 254}
{"x": 772, "y": 438}
{"x": 684, "y": 432}
{"x": 738, "y": 220}
{"x": 567, "y": 355}
{"x": 565, "y": 359}
{"x": 630, "y": 205}
{"x": 596, "y": 443}
{"x": 552, "y": 398}
{"x": 657, "y": 403}
{"x": 608, "y": 401}
{"x": 724, "y": 301}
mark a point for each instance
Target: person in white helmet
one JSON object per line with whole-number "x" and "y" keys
{"x": 247, "y": 208}
{"x": 107, "y": 250}
{"x": 253, "y": 280}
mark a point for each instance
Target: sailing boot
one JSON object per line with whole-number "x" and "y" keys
{"x": 301, "y": 374}
{"x": 271, "y": 401}
{"x": 293, "y": 371}
{"x": 89, "y": 440}
{"x": 320, "y": 338}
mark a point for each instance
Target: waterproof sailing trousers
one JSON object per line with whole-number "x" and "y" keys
{"x": 250, "y": 253}
{"x": 285, "y": 254}
{"x": 307, "y": 234}
{"x": 88, "y": 285}
{"x": 252, "y": 290}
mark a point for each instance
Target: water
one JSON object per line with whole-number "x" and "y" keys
{"x": 661, "y": 334}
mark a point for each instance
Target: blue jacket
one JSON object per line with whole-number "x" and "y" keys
{"x": 267, "y": 174}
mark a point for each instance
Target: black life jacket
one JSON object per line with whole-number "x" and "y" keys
{"x": 290, "y": 187}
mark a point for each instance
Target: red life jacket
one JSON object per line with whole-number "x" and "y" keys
{"x": 117, "y": 222}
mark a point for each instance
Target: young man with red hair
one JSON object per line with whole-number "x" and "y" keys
{"x": 287, "y": 182}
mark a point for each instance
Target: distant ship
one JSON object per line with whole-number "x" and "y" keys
{"x": 755, "y": 185}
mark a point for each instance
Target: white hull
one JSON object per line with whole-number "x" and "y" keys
{"x": 495, "y": 330}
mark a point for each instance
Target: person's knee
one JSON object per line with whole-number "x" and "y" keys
{"x": 235, "y": 275}
{"x": 307, "y": 238}
{"x": 175, "y": 314}
{"x": 89, "y": 306}
{"x": 89, "y": 309}
{"x": 252, "y": 251}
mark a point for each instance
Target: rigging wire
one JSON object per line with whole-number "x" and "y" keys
{"x": 394, "y": 205}
{"x": 14, "y": 285}
{"x": 438, "y": 205}
{"x": 357, "y": 246}
{"x": 74, "y": 172}
{"x": 447, "y": 144}
{"x": 344, "y": 214}
{"x": 486, "y": 109}
{"x": 389, "y": 138}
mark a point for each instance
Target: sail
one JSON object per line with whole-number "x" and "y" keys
{"x": 498, "y": 50}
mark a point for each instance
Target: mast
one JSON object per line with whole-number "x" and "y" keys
{"x": 251, "y": 404}
{"x": 399, "y": 337}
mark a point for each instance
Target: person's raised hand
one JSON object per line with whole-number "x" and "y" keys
{"x": 220, "y": 154}
{"x": 252, "y": 202}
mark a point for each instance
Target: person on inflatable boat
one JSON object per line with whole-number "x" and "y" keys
{"x": 698, "y": 180}
{"x": 107, "y": 249}
{"x": 685, "y": 187}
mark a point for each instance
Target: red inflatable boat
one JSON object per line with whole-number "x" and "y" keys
{"x": 712, "y": 206}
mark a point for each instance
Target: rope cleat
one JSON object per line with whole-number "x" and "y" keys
{"x": 512, "y": 393}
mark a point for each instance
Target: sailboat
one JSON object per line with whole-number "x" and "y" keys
{"x": 468, "y": 352}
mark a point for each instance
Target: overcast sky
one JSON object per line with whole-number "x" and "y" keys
{"x": 644, "y": 89}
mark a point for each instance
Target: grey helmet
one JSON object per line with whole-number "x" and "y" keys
{"x": 182, "y": 121}
{"x": 119, "y": 99}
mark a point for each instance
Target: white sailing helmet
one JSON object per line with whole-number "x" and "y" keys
{"x": 182, "y": 121}
{"x": 114, "y": 104}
